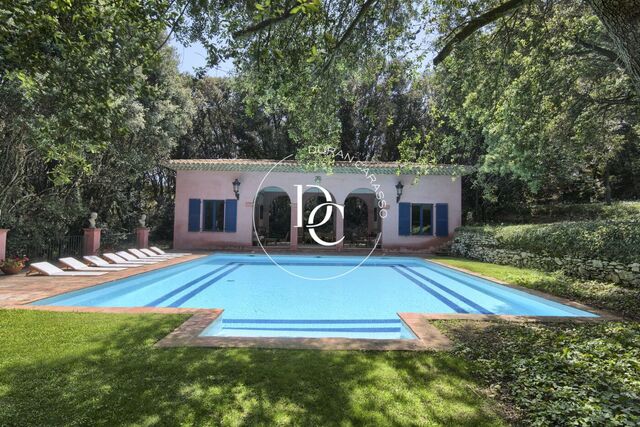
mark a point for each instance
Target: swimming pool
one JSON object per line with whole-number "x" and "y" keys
{"x": 261, "y": 299}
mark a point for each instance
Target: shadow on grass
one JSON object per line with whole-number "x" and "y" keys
{"x": 557, "y": 374}
{"x": 72, "y": 368}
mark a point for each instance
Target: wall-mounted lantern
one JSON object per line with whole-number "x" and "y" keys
{"x": 236, "y": 188}
{"x": 399, "y": 188}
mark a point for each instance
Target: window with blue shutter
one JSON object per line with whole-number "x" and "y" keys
{"x": 404, "y": 219}
{"x": 231, "y": 214}
{"x": 442, "y": 219}
{"x": 194, "y": 215}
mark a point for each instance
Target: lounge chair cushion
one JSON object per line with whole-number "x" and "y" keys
{"x": 161, "y": 252}
{"x": 51, "y": 270}
{"x": 138, "y": 253}
{"x": 129, "y": 257}
{"x": 152, "y": 254}
{"x": 99, "y": 262}
{"x": 76, "y": 265}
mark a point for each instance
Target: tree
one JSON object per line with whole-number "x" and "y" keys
{"x": 65, "y": 69}
{"x": 90, "y": 103}
{"x": 223, "y": 128}
{"x": 541, "y": 103}
{"x": 620, "y": 19}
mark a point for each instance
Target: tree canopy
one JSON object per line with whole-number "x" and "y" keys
{"x": 540, "y": 96}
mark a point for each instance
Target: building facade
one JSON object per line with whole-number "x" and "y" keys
{"x": 238, "y": 204}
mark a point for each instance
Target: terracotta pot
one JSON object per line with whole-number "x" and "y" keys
{"x": 12, "y": 270}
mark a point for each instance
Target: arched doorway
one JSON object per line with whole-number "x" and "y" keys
{"x": 327, "y": 232}
{"x": 362, "y": 223}
{"x": 272, "y": 216}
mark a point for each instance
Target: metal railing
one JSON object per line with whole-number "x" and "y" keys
{"x": 67, "y": 246}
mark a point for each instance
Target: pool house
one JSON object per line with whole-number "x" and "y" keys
{"x": 239, "y": 204}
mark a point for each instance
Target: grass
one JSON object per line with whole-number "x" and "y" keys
{"x": 608, "y": 296}
{"x": 102, "y": 369}
{"x": 556, "y": 374}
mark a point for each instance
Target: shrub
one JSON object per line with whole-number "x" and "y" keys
{"x": 538, "y": 214}
{"x": 604, "y": 239}
{"x": 558, "y": 374}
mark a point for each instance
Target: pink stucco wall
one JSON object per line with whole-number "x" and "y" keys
{"x": 217, "y": 185}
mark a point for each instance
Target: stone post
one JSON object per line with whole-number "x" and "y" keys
{"x": 91, "y": 241}
{"x": 339, "y": 227}
{"x": 3, "y": 243}
{"x": 293, "y": 233}
{"x": 142, "y": 237}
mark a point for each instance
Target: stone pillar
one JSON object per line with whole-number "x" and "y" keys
{"x": 339, "y": 227}
{"x": 371, "y": 224}
{"x": 91, "y": 241}
{"x": 3, "y": 243}
{"x": 142, "y": 237}
{"x": 293, "y": 233}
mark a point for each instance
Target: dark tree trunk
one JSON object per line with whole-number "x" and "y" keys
{"x": 621, "y": 18}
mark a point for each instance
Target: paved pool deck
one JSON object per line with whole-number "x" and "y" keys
{"x": 18, "y": 291}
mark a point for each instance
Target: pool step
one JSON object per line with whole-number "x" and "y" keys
{"x": 311, "y": 328}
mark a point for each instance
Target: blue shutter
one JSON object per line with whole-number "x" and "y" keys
{"x": 230, "y": 215}
{"x": 404, "y": 219}
{"x": 194, "y": 215}
{"x": 442, "y": 219}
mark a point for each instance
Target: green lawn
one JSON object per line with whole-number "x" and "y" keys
{"x": 100, "y": 369}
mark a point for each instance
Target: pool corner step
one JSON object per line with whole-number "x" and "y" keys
{"x": 312, "y": 328}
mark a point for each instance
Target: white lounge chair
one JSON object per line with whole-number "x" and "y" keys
{"x": 129, "y": 257}
{"x": 152, "y": 254}
{"x": 99, "y": 262}
{"x": 138, "y": 253}
{"x": 76, "y": 265}
{"x": 51, "y": 270}
{"x": 161, "y": 252}
{"x": 119, "y": 260}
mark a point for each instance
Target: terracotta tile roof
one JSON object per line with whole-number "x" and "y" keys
{"x": 264, "y": 165}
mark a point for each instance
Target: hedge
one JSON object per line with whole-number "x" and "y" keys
{"x": 538, "y": 214}
{"x": 605, "y": 239}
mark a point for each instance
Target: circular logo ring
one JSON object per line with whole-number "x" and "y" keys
{"x": 255, "y": 230}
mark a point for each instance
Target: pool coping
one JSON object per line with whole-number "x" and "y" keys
{"x": 428, "y": 337}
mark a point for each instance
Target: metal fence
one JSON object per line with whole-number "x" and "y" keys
{"x": 67, "y": 246}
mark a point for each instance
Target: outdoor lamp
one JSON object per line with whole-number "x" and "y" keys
{"x": 399, "y": 188}
{"x": 236, "y": 188}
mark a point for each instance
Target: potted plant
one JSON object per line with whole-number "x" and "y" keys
{"x": 13, "y": 265}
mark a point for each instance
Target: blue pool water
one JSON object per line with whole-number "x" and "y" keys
{"x": 262, "y": 299}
